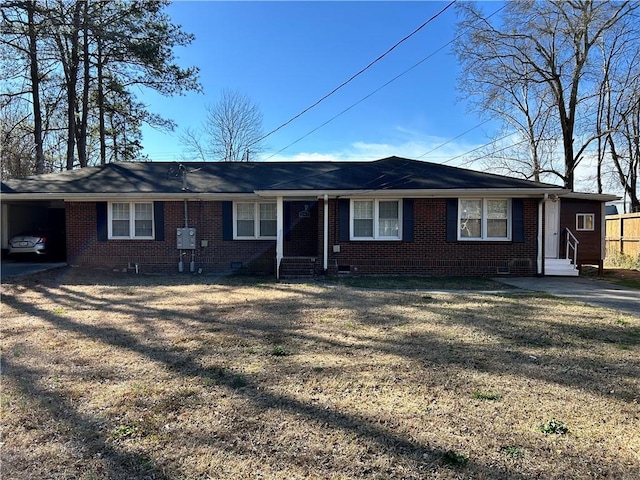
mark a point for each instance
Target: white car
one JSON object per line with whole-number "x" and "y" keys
{"x": 33, "y": 243}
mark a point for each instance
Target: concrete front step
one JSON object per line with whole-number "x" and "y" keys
{"x": 560, "y": 267}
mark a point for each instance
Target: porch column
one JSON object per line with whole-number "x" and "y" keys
{"x": 280, "y": 234}
{"x": 540, "y": 255}
{"x": 325, "y": 236}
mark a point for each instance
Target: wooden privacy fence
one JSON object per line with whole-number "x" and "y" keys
{"x": 623, "y": 235}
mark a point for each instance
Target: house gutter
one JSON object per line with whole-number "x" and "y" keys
{"x": 405, "y": 193}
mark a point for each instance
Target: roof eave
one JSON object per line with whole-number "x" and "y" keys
{"x": 602, "y": 197}
{"x": 412, "y": 193}
{"x": 93, "y": 197}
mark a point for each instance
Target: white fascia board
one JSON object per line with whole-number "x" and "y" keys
{"x": 603, "y": 197}
{"x": 100, "y": 197}
{"x": 303, "y": 194}
{"x": 440, "y": 193}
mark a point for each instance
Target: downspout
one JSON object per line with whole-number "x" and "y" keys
{"x": 540, "y": 258}
{"x": 325, "y": 236}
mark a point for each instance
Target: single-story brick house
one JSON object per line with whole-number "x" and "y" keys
{"x": 390, "y": 216}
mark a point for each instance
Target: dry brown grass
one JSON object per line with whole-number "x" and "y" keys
{"x": 131, "y": 377}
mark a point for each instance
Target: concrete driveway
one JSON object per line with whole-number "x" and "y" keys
{"x": 12, "y": 269}
{"x": 586, "y": 290}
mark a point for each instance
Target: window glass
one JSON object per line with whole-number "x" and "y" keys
{"x": 388, "y": 219}
{"x": 245, "y": 221}
{"x": 120, "y": 219}
{"x": 497, "y": 218}
{"x": 143, "y": 220}
{"x": 471, "y": 218}
{"x": 268, "y": 223}
{"x": 585, "y": 221}
{"x": 363, "y": 219}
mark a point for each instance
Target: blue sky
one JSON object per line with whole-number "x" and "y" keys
{"x": 286, "y": 55}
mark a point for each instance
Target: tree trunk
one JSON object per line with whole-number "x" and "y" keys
{"x": 70, "y": 63}
{"x": 101, "y": 124}
{"x": 82, "y": 133}
{"x": 35, "y": 87}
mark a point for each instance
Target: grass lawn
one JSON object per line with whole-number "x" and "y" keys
{"x": 117, "y": 376}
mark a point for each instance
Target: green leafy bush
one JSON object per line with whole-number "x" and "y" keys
{"x": 554, "y": 427}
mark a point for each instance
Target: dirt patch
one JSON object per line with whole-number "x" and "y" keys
{"x": 621, "y": 276}
{"x": 118, "y": 376}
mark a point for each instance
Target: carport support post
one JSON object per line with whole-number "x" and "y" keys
{"x": 280, "y": 234}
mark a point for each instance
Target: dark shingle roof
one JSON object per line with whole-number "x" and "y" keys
{"x": 391, "y": 173}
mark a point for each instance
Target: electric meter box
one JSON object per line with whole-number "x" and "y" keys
{"x": 186, "y": 238}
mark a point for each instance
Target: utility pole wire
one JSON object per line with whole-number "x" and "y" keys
{"x": 356, "y": 74}
{"x": 380, "y": 88}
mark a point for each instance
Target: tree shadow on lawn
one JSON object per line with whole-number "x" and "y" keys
{"x": 522, "y": 331}
{"x": 511, "y": 341}
{"x": 84, "y": 429}
{"x": 84, "y": 432}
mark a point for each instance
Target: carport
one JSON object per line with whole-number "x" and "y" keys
{"x": 48, "y": 216}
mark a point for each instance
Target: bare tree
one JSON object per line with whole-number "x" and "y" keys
{"x": 231, "y": 132}
{"x": 16, "y": 142}
{"x": 618, "y": 112}
{"x": 544, "y": 48}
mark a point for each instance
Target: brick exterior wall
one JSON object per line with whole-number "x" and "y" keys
{"x": 219, "y": 256}
{"x": 428, "y": 254}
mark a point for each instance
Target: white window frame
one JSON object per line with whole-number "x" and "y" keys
{"x": 376, "y": 219}
{"x": 483, "y": 219}
{"x": 132, "y": 222}
{"x": 584, "y": 217}
{"x": 256, "y": 221}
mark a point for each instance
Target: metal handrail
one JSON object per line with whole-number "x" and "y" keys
{"x": 572, "y": 244}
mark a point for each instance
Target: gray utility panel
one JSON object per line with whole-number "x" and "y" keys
{"x": 186, "y": 238}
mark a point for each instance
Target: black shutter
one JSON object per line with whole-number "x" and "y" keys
{"x": 407, "y": 220}
{"x": 101, "y": 221}
{"x": 517, "y": 220}
{"x": 227, "y": 220}
{"x": 158, "y": 220}
{"x": 452, "y": 220}
{"x": 343, "y": 213}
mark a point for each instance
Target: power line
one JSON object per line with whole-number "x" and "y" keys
{"x": 355, "y": 75}
{"x": 366, "y": 97}
{"x": 454, "y": 138}
{"x": 487, "y": 154}
{"x": 380, "y": 88}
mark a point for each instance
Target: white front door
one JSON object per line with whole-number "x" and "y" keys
{"x": 552, "y": 227}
